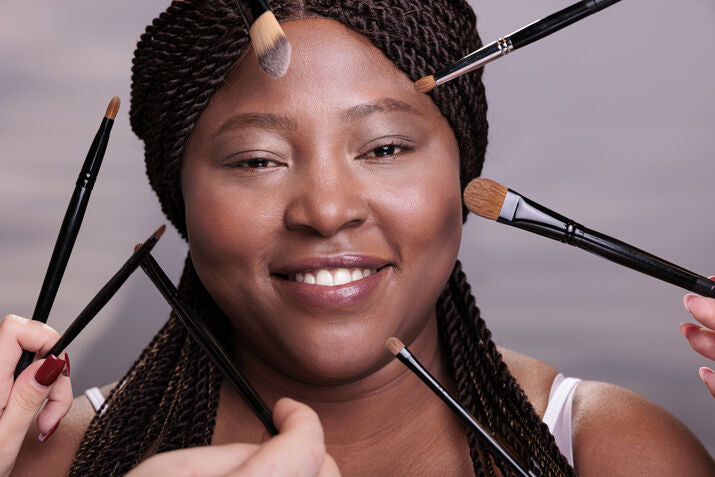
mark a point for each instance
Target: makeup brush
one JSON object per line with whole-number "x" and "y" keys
{"x": 268, "y": 38}
{"x": 208, "y": 342}
{"x": 493, "y": 201}
{"x": 106, "y": 293}
{"x": 71, "y": 225}
{"x": 397, "y": 348}
{"x": 520, "y": 38}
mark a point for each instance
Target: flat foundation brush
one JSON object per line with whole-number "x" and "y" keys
{"x": 397, "y": 348}
{"x": 268, "y": 38}
{"x": 516, "y": 40}
{"x": 493, "y": 201}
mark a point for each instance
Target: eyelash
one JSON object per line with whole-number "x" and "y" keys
{"x": 392, "y": 144}
{"x": 255, "y": 163}
{"x": 247, "y": 163}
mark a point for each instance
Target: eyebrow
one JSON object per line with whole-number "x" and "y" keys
{"x": 257, "y": 120}
{"x": 384, "y": 105}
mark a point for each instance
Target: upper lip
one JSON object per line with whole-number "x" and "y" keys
{"x": 339, "y": 261}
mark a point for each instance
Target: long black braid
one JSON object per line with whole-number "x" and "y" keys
{"x": 168, "y": 399}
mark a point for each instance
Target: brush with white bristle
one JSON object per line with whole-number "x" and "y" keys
{"x": 268, "y": 39}
{"x": 493, "y": 201}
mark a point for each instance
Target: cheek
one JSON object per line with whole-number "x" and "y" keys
{"x": 226, "y": 226}
{"x": 426, "y": 207}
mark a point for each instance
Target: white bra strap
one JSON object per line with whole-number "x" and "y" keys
{"x": 96, "y": 398}
{"x": 558, "y": 413}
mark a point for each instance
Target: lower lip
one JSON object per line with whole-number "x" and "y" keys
{"x": 335, "y": 296}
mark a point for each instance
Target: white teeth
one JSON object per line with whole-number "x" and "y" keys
{"x": 342, "y": 276}
{"x": 324, "y": 278}
{"x": 333, "y": 277}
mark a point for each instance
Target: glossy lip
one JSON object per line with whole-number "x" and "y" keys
{"x": 331, "y": 296}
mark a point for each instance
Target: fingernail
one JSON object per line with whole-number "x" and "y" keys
{"x": 689, "y": 300}
{"x": 66, "y": 369}
{"x": 705, "y": 373}
{"x": 50, "y": 370}
{"x": 46, "y": 435}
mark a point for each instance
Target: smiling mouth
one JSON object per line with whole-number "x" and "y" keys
{"x": 331, "y": 277}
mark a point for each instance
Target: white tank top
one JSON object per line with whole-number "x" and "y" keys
{"x": 557, "y": 415}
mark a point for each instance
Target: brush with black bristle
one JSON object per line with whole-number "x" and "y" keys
{"x": 268, "y": 38}
{"x": 493, "y": 201}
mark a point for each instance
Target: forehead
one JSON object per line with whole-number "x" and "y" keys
{"x": 331, "y": 67}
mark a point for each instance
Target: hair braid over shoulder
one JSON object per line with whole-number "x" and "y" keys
{"x": 169, "y": 397}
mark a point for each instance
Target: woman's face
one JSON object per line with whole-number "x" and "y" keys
{"x": 323, "y": 209}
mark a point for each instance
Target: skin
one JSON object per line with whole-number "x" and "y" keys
{"x": 328, "y": 185}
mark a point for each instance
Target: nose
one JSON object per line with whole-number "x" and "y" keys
{"x": 327, "y": 198}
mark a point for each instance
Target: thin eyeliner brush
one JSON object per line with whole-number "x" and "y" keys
{"x": 397, "y": 348}
{"x": 208, "y": 342}
{"x": 71, "y": 225}
{"x": 520, "y": 38}
{"x": 106, "y": 293}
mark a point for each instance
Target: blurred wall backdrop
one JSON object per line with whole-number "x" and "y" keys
{"x": 611, "y": 122}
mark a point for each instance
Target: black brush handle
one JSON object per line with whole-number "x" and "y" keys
{"x": 208, "y": 342}
{"x": 258, "y": 8}
{"x": 416, "y": 367}
{"x": 556, "y": 21}
{"x": 529, "y": 215}
{"x": 103, "y": 296}
{"x": 68, "y": 232}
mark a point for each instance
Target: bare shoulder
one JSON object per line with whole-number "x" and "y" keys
{"x": 535, "y": 377}
{"x": 55, "y": 455}
{"x": 617, "y": 432}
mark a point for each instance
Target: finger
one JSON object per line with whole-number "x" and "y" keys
{"x": 297, "y": 451}
{"x": 59, "y": 402}
{"x": 16, "y": 334}
{"x": 708, "y": 377}
{"x": 197, "y": 461}
{"x": 329, "y": 468}
{"x": 702, "y": 309}
{"x": 701, "y": 340}
{"x": 27, "y": 395}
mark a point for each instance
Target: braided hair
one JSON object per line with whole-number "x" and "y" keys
{"x": 168, "y": 399}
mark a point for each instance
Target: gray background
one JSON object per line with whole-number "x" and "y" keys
{"x": 610, "y": 122}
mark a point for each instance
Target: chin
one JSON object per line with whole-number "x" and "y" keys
{"x": 341, "y": 355}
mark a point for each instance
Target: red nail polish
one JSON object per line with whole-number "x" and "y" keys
{"x": 66, "y": 369}
{"x": 50, "y": 370}
{"x": 46, "y": 435}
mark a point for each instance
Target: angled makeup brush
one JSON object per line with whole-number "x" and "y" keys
{"x": 208, "y": 342}
{"x": 106, "y": 293}
{"x": 493, "y": 201}
{"x": 71, "y": 225}
{"x": 397, "y": 348}
{"x": 268, "y": 38}
{"x": 525, "y": 36}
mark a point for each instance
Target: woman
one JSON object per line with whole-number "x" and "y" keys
{"x": 338, "y": 172}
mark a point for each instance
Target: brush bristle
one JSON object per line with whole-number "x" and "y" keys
{"x": 137, "y": 247}
{"x": 159, "y": 232}
{"x": 485, "y": 197}
{"x": 113, "y": 108}
{"x": 271, "y": 45}
{"x": 425, "y": 84}
{"x": 394, "y": 345}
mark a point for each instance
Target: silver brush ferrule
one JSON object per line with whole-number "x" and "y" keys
{"x": 476, "y": 60}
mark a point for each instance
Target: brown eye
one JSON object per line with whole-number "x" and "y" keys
{"x": 387, "y": 150}
{"x": 254, "y": 163}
